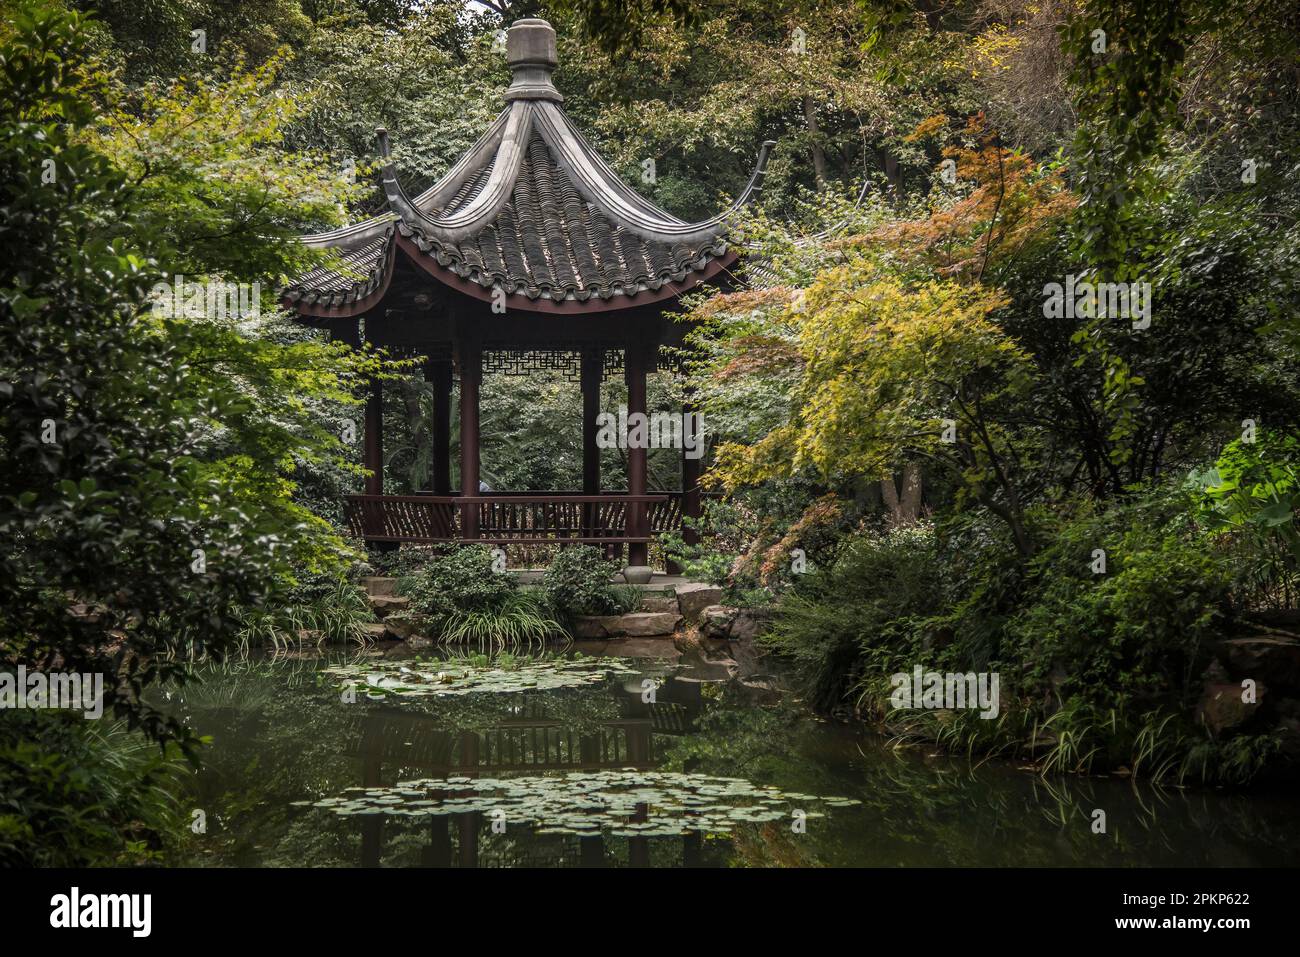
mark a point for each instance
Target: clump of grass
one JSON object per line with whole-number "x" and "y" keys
{"x": 518, "y": 621}
{"x": 316, "y": 612}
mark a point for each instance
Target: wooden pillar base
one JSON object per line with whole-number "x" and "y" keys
{"x": 470, "y": 361}
{"x": 635, "y": 368}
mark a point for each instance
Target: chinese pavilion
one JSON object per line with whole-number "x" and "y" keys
{"x": 530, "y": 253}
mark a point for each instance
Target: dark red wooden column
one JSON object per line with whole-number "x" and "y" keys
{"x": 438, "y": 375}
{"x": 593, "y": 362}
{"x": 372, "y": 451}
{"x": 469, "y": 359}
{"x": 690, "y": 482}
{"x": 691, "y": 468}
{"x": 635, "y": 366}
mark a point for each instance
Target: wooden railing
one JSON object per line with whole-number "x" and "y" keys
{"x": 609, "y": 518}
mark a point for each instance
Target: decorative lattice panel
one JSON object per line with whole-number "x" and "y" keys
{"x": 518, "y": 360}
{"x": 512, "y": 360}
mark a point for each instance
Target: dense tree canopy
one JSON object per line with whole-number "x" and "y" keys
{"x": 1020, "y": 293}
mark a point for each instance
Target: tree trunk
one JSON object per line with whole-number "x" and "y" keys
{"x": 889, "y": 491}
{"x": 904, "y": 509}
{"x": 910, "y": 504}
{"x": 893, "y": 172}
{"x": 814, "y": 138}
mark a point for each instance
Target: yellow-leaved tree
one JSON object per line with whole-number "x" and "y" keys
{"x": 890, "y": 372}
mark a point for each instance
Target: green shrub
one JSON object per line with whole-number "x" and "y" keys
{"x": 460, "y": 579}
{"x": 1252, "y": 497}
{"x": 578, "y": 581}
{"x": 1135, "y": 633}
{"x": 1097, "y": 668}
{"x": 77, "y": 793}
{"x": 464, "y": 599}
{"x": 319, "y": 608}
{"x": 867, "y": 614}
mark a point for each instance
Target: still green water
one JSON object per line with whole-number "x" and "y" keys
{"x": 284, "y": 738}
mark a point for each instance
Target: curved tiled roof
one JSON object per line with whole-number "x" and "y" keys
{"x": 547, "y": 242}
{"x": 531, "y": 209}
{"x": 361, "y": 272}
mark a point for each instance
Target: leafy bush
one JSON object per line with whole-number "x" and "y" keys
{"x": 578, "y": 582}
{"x": 465, "y": 600}
{"x": 1098, "y": 667}
{"x": 865, "y": 614}
{"x": 319, "y": 608}
{"x": 1135, "y": 632}
{"x": 1253, "y": 496}
{"x": 77, "y": 793}
{"x": 405, "y": 561}
{"x": 457, "y": 580}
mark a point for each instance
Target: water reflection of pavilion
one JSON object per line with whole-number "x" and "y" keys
{"x": 528, "y": 741}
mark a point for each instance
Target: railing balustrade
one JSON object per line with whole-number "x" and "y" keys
{"x": 514, "y": 518}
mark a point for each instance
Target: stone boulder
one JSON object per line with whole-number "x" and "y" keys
{"x": 649, "y": 624}
{"x": 694, "y": 597}
{"x": 734, "y": 624}
{"x": 595, "y": 627}
{"x": 659, "y": 603}
{"x": 715, "y": 621}
{"x": 1222, "y": 709}
{"x": 379, "y": 585}
{"x": 1269, "y": 659}
{"x": 400, "y": 625}
{"x": 383, "y": 605}
{"x": 636, "y": 625}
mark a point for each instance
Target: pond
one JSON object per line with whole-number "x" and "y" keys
{"x": 330, "y": 761}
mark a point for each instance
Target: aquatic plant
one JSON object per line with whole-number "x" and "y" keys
{"x": 471, "y": 674}
{"x": 628, "y": 802}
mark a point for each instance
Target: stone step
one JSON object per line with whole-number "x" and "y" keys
{"x": 694, "y": 597}
{"x": 383, "y": 604}
{"x": 376, "y": 585}
{"x": 636, "y": 625}
{"x": 659, "y": 604}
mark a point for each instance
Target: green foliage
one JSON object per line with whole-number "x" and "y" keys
{"x": 1098, "y": 668}
{"x": 77, "y": 793}
{"x": 458, "y": 579}
{"x": 465, "y": 599}
{"x": 319, "y": 608}
{"x": 1127, "y": 59}
{"x": 862, "y": 617}
{"x": 102, "y": 501}
{"x": 520, "y": 619}
{"x": 1136, "y": 633}
{"x": 212, "y": 172}
{"x": 1253, "y": 495}
{"x": 699, "y": 562}
{"x": 578, "y": 581}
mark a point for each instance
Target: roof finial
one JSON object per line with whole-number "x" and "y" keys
{"x": 530, "y": 54}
